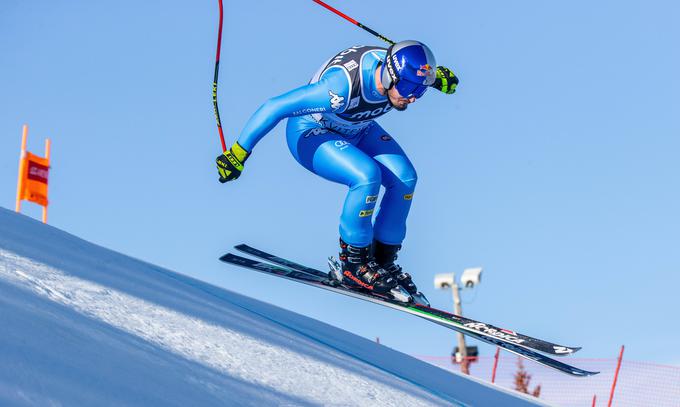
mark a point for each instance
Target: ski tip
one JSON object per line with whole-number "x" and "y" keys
{"x": 573, "y": 371}
{"x": 564, "y": 350}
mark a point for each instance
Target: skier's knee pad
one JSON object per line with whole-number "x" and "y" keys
{"x": 410, "y": 182}
{"x": 367, "y": 177}
{"x": 405, "y": 181}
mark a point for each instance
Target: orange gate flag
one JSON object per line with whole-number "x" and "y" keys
{"x": 33, "y": 176}
{"x": 35, "y": 181}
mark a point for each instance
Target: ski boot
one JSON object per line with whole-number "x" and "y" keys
{"x": 358, "y": 269}
{"x": 385, "y": 255}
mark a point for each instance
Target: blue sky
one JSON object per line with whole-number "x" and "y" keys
{"x": 554, "y": 166}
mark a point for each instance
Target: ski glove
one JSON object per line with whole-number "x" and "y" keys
{"x": 446, "y": 81}
{"x": 230, "y": 163}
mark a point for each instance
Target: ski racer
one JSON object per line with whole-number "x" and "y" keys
{"x": 331, "y": 131}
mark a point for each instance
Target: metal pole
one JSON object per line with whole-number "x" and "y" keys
{"x": 353, "y": 21}
{"x": 616, "y": 376}
{"x": 495, "y": 365}
{"x": 217, "y": 71}
{"x": 47, "y": 156}
{"x": 458, "y": 310}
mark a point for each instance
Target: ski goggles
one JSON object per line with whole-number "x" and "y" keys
{"x": 409, "y": 89}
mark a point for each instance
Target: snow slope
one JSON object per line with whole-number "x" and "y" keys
{"x": 83, "y": 325}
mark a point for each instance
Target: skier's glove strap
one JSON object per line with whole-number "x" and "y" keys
{"x": 446, "y": 81}
{"x": 230, "y": 163}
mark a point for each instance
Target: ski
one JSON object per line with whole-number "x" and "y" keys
{"x": 496, "y": 339}
{"x": 279, "y": 260}
{"x": 517, "y": 338}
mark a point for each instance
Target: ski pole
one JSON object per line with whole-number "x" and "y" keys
{"x": 214, "y": 89}
{"x": 353, "y": 21}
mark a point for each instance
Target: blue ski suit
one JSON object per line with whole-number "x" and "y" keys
{"x": 331, "y": 131}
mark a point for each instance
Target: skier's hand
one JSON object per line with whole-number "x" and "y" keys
{"x": 230, "y": 163}
{"x": 446, "y": 81}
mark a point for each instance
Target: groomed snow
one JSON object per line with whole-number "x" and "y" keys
{"x": 82, "y": 325}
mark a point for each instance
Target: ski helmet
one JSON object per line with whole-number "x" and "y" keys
{"x": 410, "y": 67}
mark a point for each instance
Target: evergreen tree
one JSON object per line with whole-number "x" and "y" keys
{"x": 523, "y": 380}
